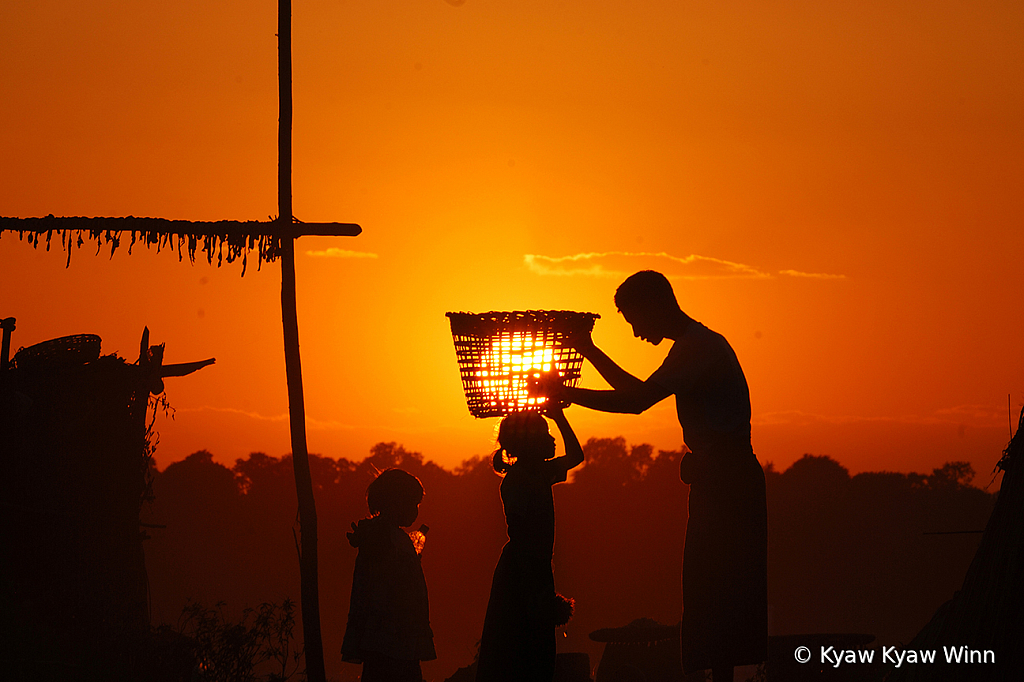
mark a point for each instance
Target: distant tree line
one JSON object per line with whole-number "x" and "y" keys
{"x": 846, "y": 553}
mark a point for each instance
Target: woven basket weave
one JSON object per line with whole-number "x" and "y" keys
{"x": 498, "y": 352}
{"x": 66, "y": 350}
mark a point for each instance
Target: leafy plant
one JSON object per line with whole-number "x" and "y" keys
{"x": 257, "y": 648}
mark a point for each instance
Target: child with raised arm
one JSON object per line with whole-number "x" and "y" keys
{"x": 518, "y": 641}
{"x": 388, "y": 627}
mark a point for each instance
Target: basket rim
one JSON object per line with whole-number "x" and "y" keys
{"x": 514, "y": 320}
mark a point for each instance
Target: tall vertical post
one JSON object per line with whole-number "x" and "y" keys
{"x": 284, "y": 129}
{"x": 308, "y": 578}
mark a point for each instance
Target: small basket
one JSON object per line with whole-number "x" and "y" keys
{"x": 499, "y": 352}
{"x": 66, "y": 350}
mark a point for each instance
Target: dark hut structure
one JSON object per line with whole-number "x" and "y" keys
{"x": 642, "y": 650}
{"x": 978, "y": 634}
{"x": 75, "y": 466}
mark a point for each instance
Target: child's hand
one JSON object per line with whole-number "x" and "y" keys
{"x": 553, "y": 411}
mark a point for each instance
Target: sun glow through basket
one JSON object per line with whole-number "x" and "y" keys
{"x": 499, "y": 352}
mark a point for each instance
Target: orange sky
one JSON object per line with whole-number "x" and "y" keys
{"x": 836, "y": 187}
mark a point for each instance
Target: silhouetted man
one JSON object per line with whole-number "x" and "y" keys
{"x": 725, "y": 594}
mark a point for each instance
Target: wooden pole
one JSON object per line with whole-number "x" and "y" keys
{"x": 308, "y": 578}
{"x": 284, "y": 129}
{"x": 308, "y": 572}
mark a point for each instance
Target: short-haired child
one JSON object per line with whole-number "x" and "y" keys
{"x": 388, "y": 628}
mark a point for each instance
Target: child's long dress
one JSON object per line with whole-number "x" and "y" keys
{"x": 518, "y": 641}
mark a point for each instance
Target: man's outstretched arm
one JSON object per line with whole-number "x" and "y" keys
{"x": 632, "y": 400}
{"x": 617, "y": 378}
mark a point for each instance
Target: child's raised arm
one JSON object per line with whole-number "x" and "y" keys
{"x": 573, "y": 450}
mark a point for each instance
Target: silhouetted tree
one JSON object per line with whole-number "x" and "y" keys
{"x": 850, "y": 554}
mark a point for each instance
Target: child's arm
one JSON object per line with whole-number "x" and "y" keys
{"x": 573, "y": 450}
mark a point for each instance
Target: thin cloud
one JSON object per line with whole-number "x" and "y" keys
{"x": 812, "y": 275}
{"x": 623, "y": 263}
{"x": 335, "y": 252}
{"x": 974, "y": 412}
{"x": 310, "y": 421}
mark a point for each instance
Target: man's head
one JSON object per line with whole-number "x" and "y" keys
{"x": 647, "y": 302}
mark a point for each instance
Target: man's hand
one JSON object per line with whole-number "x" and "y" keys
{"x": 582, "y": 341}
{"x": 549, "y": 386}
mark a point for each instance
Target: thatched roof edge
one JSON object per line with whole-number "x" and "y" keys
{"x": 185, "y": 236}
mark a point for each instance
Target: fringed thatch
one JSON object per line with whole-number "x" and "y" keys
{"x": 221, "y": 239}
{"x": 986, "y": 614}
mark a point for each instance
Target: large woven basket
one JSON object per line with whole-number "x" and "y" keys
{"x": 499, "y": 352}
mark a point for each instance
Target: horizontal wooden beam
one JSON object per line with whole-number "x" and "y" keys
{"x": 163, "y": 226}
{"x": 325, "y": 230}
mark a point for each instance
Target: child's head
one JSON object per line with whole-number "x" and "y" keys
{"x": 522, "y": 435}
{"x": 395, "y": 494}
